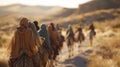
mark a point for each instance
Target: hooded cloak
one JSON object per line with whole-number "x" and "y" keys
{"x": 23, "y": 41}
{"x": 53, "y": 35}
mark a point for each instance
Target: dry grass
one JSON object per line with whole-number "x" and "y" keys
{"x": 108, "y": 47}
{"x": 6, "y": 34}
{"x": 107, "y": 53}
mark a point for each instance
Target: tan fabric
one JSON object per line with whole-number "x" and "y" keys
{"x": 32, "y": 26}
{"x": 23, "y": 41}
{"x": 37, "y": 60}
{"x": 54, "y": 36}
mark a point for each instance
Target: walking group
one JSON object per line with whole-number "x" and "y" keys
{"x": 34, "y": 46}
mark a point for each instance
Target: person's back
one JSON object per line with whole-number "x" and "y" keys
{"x": 81, "y": 36}
{"x": 34, "y": 30}
{"x": 70, "y": 33}
{"x": 70, "y": 40}
{"x": 44, "y": 34}
{"x": 46, "y": 40}
{"x": 91, "y": 27}
{"x": 23, "y": 41}
{"x": 58, "y": 28}
{"x": 92, "y": 33}
{"x": 53, "y": 34}
{"x": 61, "y": 39}
{"x": 54, "y": 38}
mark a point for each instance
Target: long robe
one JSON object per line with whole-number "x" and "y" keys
{"x": 23, "y": 41}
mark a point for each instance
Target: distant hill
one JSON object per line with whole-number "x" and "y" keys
{"x": 84, "y": 13}
{"x": 28, "y": 10}
{"x": 11, "y": 13}
{"x": 98, "y": 5}
{"x": 65, "y": 12}
{"x": 91, "y": 6}
{"x": 93, "y": 11}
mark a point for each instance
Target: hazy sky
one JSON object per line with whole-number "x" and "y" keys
{"x": 63, "y": 3}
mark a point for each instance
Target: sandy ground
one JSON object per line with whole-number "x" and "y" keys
{"x": 80, "y": 54}
{"x": 79, "y": 59}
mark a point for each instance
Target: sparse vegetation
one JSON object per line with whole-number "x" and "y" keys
{"x": 107, "y": 53}
{"x": 106, "y": 21}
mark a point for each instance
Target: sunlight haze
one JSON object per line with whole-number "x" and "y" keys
{"x": 63, "y": 3}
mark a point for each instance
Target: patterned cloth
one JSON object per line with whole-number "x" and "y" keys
{"x": 44, "y": 33}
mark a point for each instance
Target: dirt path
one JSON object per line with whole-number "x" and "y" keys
{"x": 79, "y": 59}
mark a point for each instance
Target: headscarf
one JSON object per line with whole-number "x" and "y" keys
{"x": 44, "y": 33}
{"x": 92, "y": 27}
{"x": 23, "y": 41}
{"x": 24, "y": 22}
{"x": 70, "y": 33}
{"x": 36, "y": 25}
{"x": 53, "y": 26}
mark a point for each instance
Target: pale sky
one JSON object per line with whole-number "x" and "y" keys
{"x": 63, "y": 3}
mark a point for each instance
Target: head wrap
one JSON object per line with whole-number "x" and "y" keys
{"x": 24, "y": 22}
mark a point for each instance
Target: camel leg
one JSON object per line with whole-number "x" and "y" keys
{"x": 91, "y": 42}
{"x": 69, "y": 52}
{"x": 72, "y": 50}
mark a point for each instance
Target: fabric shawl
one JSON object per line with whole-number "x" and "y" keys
{"x": 23, "y": 41}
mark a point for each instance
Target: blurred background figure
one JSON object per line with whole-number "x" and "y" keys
{"x": 54, "y": 40}
{"x": 60, "y": 35}
{"x": 58, "y": 27}
{"x": 46, "y": 46}
{"x": 61, "y": 40}
{"x": 79, "y": 35}
{"x": 70, "y": 40}
{"x": 92, "y": 33}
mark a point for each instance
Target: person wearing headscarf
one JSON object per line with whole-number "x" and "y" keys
{"x": 60, "y": 36}
{"x": 70, "y": 39}
{"x": 61, "y": 39}
{"x": 47, "y": 47}
{"x": 34, "y": 27}
{"x": 44, "y": 33}
{"x": 57, "y": 27}
{"x": 92, "y": 27}
{"x": 70, "y": 34}
{"x": 92, "y": 33}
{"x": 54, "y": 40}
{"x": 54, "y": 37}
{"x": 80, "y": 36}
{"x": 22, "y": 42}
